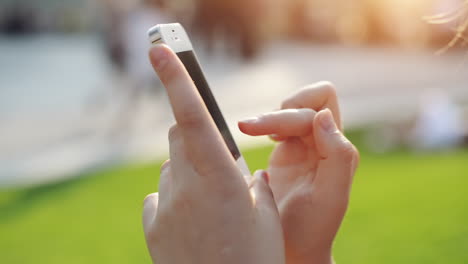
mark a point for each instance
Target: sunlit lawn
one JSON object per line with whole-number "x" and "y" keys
{"x": 406, "y": 208}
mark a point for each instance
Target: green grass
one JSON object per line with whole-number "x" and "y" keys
{"x": 405, "y": 208}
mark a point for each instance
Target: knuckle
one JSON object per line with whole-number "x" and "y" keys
{"x": 351, "y": 154}
{"x": 169, "y": 73}
{"x": 287, "y": 104}
{"x": 227, "y": 193}
{"x": 328, "y": 88}
{"x": 181, "y": 201}
{"x": 326, "y": 84}
{"x": 190, "y": 117}
{"x": 348, "y": 152}
{"x": 324, "y": 87}
{"x": 228, "y": 190}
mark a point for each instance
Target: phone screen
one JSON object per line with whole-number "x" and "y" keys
{"x": 190, "y": 61}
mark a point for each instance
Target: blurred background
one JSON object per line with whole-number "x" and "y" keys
{"x": 84, "y": 120}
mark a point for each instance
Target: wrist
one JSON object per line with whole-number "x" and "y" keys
{"x": 326, "y": 259}
{"x": 323, "y": 256}
{"x": 312, "y": 258}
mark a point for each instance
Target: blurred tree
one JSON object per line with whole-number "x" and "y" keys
{"x": 236, "y": 21}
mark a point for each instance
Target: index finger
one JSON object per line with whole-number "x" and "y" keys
{"x": 203, "y": 142}
{"x": 318, "y": 97}
{"x": 284, "y": 123}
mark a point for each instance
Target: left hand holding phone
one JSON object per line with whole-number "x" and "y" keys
{"x": 205, "y": 212}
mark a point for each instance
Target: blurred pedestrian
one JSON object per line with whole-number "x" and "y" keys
{"x": 19, "y": 20}
{"x": 136, "y": 24}
{"x": 140, "y": 79}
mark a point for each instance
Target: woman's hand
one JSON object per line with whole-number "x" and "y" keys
{"x": 205, "y": 212}
{"x": 311, "y": 170}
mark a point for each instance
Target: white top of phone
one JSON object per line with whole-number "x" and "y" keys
{"x": 173, "y": 35}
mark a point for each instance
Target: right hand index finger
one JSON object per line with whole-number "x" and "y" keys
{"x": 204, "y": 145}
{"x": 284, "y": 123}
{"x": 318, "y": 97}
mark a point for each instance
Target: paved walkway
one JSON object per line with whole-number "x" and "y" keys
{"x": 374, "y": 85}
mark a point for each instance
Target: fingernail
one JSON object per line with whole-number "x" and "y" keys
{"x": 326, "y": 122}
{"x": 262, "y": 175}
{"x": 165, "y": 165}
{"x": 159, "y": 57}
{"x": 149, "y": 198}
{"x": 250, "y": 120}
{"x": 266, "y": 176}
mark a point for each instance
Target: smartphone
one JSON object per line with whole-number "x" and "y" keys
{"x": 174, "y": 36}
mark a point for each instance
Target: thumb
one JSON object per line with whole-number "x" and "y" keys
{"x": 261, "y": 191}
{"x": 339, "y": 156}
{"x": 149, "y": 211}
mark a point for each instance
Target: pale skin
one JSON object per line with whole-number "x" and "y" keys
{"x": 206, "y": 212}
{"x": 311, "y": 170}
